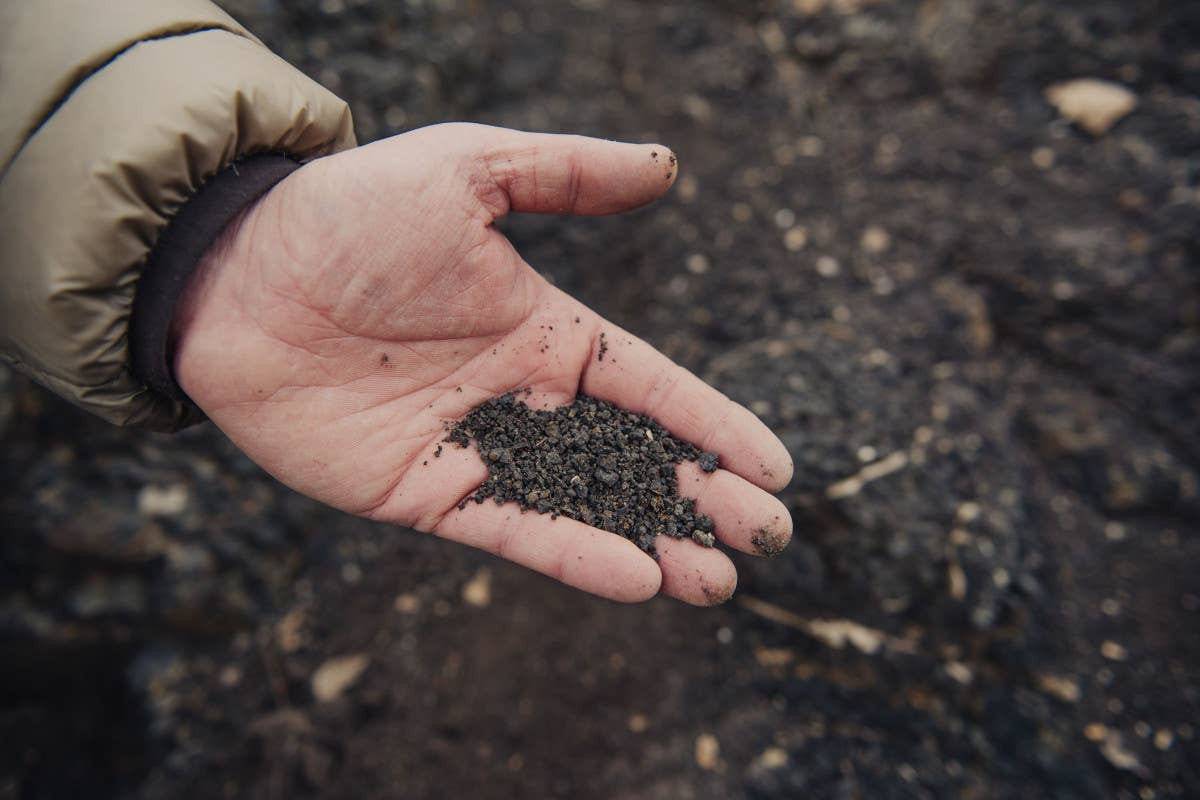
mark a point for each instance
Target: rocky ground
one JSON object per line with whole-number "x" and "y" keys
{"x": 975, "y": 323}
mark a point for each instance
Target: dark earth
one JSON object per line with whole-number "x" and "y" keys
{"x": 590, "y": 461}
{"x": 975, "y": 325}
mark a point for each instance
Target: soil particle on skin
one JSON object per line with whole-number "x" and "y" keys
{"x": 709, "y": 461}
{"x": 767, "y": 543}
{"x": 603, "y": 347}
{"x": 590, "y": 461}
{"x": 715, "y": 596}
{"x": 438, "y": 453}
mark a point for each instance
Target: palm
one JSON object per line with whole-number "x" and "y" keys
{"x": 368, "y": 301}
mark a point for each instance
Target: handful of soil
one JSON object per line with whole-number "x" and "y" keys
{"x": 590, "y": 461}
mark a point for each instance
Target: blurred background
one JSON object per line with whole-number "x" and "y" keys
{"x": 964, "y": 290}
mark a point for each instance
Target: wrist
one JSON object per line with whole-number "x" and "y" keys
{"x": 177, "y": 275}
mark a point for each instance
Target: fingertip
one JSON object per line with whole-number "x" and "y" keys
{"x": 774, "y": 463}
{"x": 699, "y": 576}
{"x": 745, "y": 517}
{"x": 563, "y": 174}
{"x": 759, "y": 456}
{"x": 640, "y": 585}
{"x": 618, "y": 570}
{"x": 770, "y": 539}
{"x": 665, "y": 161}
{"x": 778, "y": 467}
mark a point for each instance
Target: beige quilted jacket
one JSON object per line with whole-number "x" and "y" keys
{"x": 119, "y": 123}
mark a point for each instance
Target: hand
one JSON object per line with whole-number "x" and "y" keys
{"x": 331, "y": 328}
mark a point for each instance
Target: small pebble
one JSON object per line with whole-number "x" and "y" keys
{"x": 875, "y": 240}
{"x": 707, "y": 751}
{"x": 407, "y": 603}
{"x": 796, "y": 238}
{"x": 828, "y": 267}
{"x": 478, "y": 591}
{"x": 697, "y": 263}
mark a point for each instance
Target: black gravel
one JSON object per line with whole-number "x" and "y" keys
{"x": 590, "y": 461}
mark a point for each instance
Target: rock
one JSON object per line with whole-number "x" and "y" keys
{"x": 773, "y": 656}
{"x": 1113, "y": 651}
{"x": 875, "y": 240}
{"x": 1063, "y": 687}
{"x": 828, "y": 267}
{"x": 1116, "y": 753}
{"x": 478, "y": 591}
{"x": 335, "y": 676}
{"x": 960, "y": 673}
{"x": 162, "y": 501}
{"x": 773, "y": 758}
{"x": 407, "y": 603}
{"x": 796, "y": 238}
{"x": 707, "y": 751}
{"x": 1092, "y": 104}
{"x": 289, "y": 631}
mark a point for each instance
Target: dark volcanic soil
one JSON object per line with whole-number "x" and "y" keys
{"x": 590, "y": 461}
{"x": 975, "y": 325}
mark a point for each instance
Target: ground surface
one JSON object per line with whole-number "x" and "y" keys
{"x": 886, "y": 242}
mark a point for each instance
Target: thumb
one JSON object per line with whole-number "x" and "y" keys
{"x": 545, "y": 173}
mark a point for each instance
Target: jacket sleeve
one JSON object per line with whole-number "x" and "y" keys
{"x": 116, "y": 117}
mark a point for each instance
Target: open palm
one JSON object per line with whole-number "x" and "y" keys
{"x": 368, "y": 300}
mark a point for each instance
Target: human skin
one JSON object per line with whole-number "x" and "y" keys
{"x": 367, "y": 300}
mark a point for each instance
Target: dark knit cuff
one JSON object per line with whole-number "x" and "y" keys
{"x": 177, "y": 252}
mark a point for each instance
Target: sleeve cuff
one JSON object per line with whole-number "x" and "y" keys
{"x": 177, "y": 252}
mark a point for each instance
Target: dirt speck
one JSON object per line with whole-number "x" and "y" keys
{"x": 603, "y": 347}
{"x": 768, "y": 542}
{"x": 716, "y": 595}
